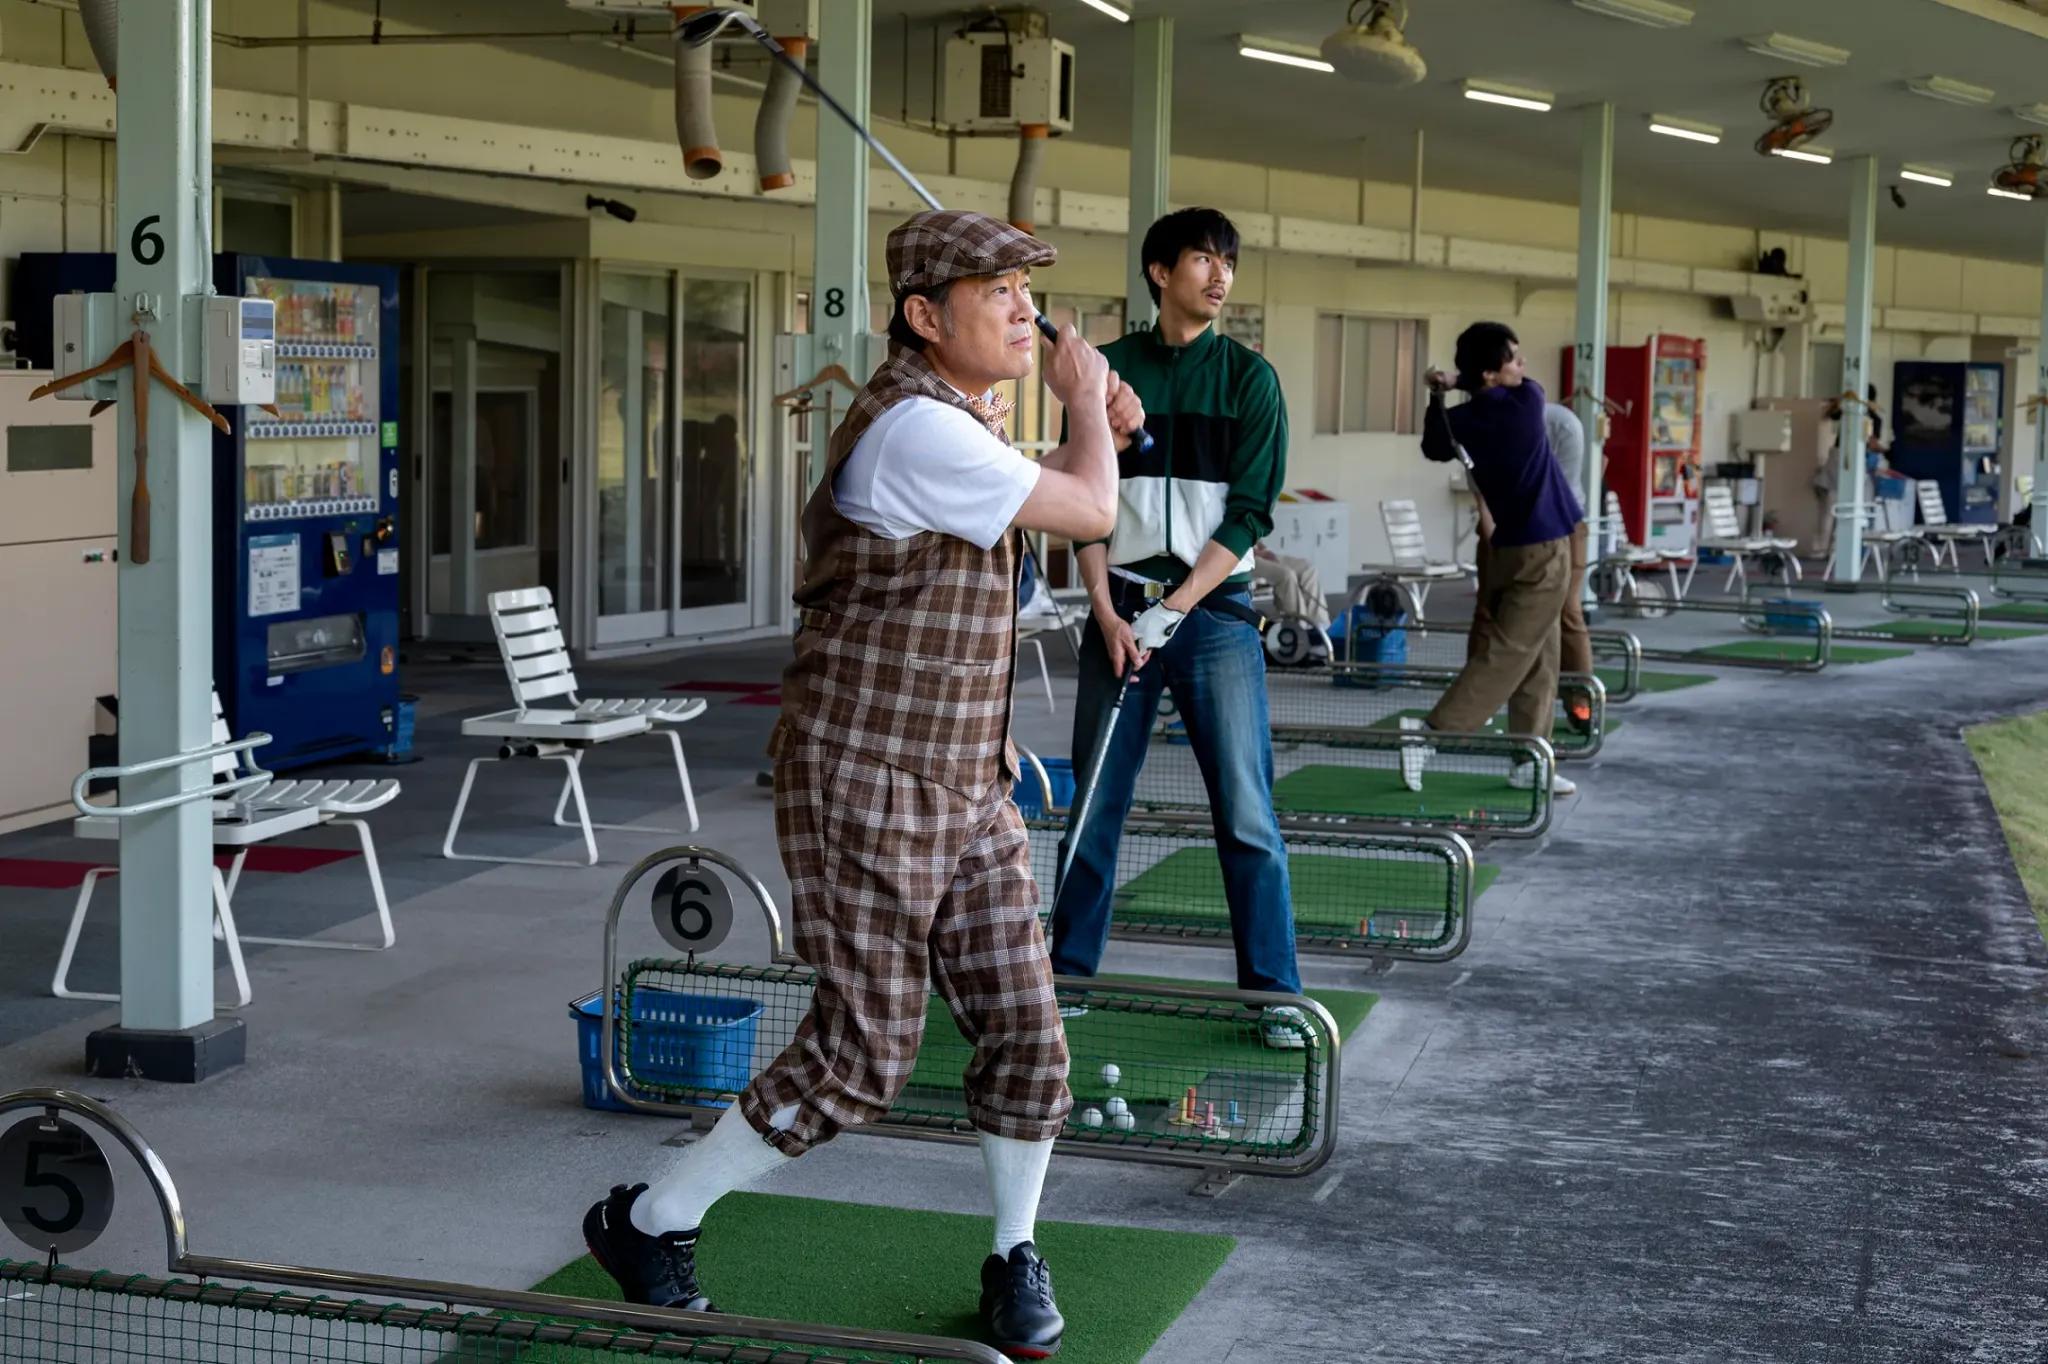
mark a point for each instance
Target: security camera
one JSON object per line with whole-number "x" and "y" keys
{"x": 624, "y": 212}
{"x": 1898, "y": 199}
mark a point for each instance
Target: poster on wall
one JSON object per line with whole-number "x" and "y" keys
{"x": 1244, "y": 323}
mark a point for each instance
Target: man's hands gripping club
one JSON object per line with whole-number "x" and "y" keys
{"x": 1075, "y": 496}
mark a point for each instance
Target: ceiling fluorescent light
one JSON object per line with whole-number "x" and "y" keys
{"x": 1801, "y": 51}
{"x": 2032, "y": 113}
{"x": 1813, "y": 154}
{"x": 1286, "y": 54}
{"x": 1649, "y": 13}
{"x": 1685, "y": 128}
{"x": 1513, "y": 96}
{"x": 1997, "y": 193}
{"x": 1950, "y": 91}
{"x": 1927, "y": 175}
{"x": 1121, "y": 16}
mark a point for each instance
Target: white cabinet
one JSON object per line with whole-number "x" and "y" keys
{"x": 1319, "y": 532}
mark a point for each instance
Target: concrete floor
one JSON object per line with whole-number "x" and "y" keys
{"x": 1745, "y": 1061}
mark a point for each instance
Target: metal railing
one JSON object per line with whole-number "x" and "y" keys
{"x": 601, "y": 1327}
{"x": 1795, "y": 620}
{"x": 1941, "y": 602}
{"x": 214, "y": 790}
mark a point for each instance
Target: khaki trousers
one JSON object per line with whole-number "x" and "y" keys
{"x": 1513, "y": 655}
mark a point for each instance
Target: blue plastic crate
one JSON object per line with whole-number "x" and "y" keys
{"x": 1030, "y": 796}
{"x": 402, "y": 727}
{"x": 1780, "y": 617}
{"x": 698, "y": 1041}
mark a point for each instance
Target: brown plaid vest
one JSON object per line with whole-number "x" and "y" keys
{"x": 906, "y": 647}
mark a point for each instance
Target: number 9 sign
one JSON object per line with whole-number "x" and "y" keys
{"x": 692, "y": 908}
{"x": 56, "y": 1192}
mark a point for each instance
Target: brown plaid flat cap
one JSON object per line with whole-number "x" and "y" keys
{"x": 933, "y": 248}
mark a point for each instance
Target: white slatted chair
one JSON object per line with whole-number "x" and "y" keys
{"x": 1042, "y": 613}
{"x": 255, "y": 814}
{"x": 1412, "y": 567}
{"x": 537, "y": 665}
{"x": 1943, "y": 535}
{"x": 1621, "y": 556}
{"x": 1880, "y": 538}
{"x": 1722, "y": 534}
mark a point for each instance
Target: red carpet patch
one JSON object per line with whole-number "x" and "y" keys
{"x": 40, "y": 873}
{"x": 759, "y": 698}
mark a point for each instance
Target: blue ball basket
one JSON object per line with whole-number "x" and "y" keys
{"x": 692, "y": 1041}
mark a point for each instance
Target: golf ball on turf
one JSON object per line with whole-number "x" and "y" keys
{"x": 1123, "y": 1121}
{"x": 1091, "y": 1117}
{"x": 1110, "y": 1074}
{"x": 1117, "y": 1108}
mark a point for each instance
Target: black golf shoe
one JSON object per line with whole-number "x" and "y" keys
{"x": 655, "y": 1271}
{"x": 1017, "y": 1306}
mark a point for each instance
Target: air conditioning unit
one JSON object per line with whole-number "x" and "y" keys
{"x": 996, "y": 81}
{"x": 1776, "y": 310}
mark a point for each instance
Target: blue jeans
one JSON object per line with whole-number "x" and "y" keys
{"x": 1216, "y": 669}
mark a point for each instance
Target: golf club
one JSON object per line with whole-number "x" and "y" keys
{"x": 702, "y": 27}
{"x": 1087, "y": 800}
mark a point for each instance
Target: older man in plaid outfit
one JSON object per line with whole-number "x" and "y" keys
{"x": 908, "y": 863}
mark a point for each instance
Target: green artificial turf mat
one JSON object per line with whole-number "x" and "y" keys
{"x": 1649, "y": 683}
{"x": 2011, "y": 755}
{"x": 1931, "y": 629}
{"x": 893, "y": 1269}
{"x": 2035, "y": 612}
{"x": 1188, "y": 884}
{"x": 1159, "y": 1055}
{"x": 1562, "y": 735}
{"x": 1377, "y": 793}
{"x": 1795, "y": 651}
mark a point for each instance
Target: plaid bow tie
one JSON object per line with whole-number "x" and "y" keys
{"x": 993, "y": 412}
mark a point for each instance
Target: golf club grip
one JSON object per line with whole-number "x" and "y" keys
{"x": 1087, "y": 799}
{"x": 1141, "y": 439}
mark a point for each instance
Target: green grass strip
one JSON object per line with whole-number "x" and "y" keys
{"x": 1795, "y": 651}
{"x": 1650, "y": 683}
{"x": 2011, "y": 755}
{"x": 1953, "y": 629}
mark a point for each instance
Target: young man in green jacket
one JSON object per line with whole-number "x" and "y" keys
{"x": 1171, "y": 598}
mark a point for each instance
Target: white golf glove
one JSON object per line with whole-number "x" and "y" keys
{"x": 1152, "y": 629}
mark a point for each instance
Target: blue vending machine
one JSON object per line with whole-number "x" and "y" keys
{"x": 1946, "y": 422}
{"x": 305, "y": 530}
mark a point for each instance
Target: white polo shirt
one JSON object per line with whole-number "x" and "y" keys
{"x": 925, "y": 465}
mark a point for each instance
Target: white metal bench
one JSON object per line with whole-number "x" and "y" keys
{"x": 250, "y": 807}
{"x": 1880, "y": 538}
{"x": 1621, "y": 557}
{"x": 537, "y": 665}
{"x": 1722, "y": 534}
{"x": 1412, "y": 567}
{"x": 1943, "y": 535}
{"x": 1042, "y": 613}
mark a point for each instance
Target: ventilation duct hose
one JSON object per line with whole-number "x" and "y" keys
{"x": 101, "y": 21}
{"x": 696, "y": 131}
{"x": 771, "y": 124}
{"x": 1024, "y": 180}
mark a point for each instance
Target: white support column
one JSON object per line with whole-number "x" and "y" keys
{"x": 2038, "y": 531}
{"x": 164, "y": 210}
{"x": 1151, "y": 154}
{"x": 1850, "y": 484}
{"x": 839, "y": 274}
{"x": 1596, "y": 220}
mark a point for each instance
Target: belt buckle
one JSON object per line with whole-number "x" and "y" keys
{"x": 1155, "y": 591}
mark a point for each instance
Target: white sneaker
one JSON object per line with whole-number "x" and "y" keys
{"x": 1284, "y": 1028}
{"x": 1523, "y": 778}
{"x": 1414, "y": 757}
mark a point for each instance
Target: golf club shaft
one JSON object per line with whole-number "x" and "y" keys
{"x": 1087, "y": 800}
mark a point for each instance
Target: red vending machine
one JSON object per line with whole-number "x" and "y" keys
{"x": 1653, "y": 448}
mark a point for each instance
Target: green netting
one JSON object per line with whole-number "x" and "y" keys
{"x": 1652, "y": 682}
{"x": 1164, "y": 1044}
{"x": 1790, "y": 651}
{"x": 71, "y": 1316}
{"x": 1391, "y": 895}
{"x": 910, "y": 1271}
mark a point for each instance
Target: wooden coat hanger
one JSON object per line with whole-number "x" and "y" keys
{"x": 800, "y": 396}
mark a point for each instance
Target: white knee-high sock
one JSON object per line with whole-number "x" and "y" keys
{"x": 731, "y": 1154}
{"x": 1016, "y": 1176}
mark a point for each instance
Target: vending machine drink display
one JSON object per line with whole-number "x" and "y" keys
{"x": 1947, "y": 421}
{"x": 1653, "y": 447}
